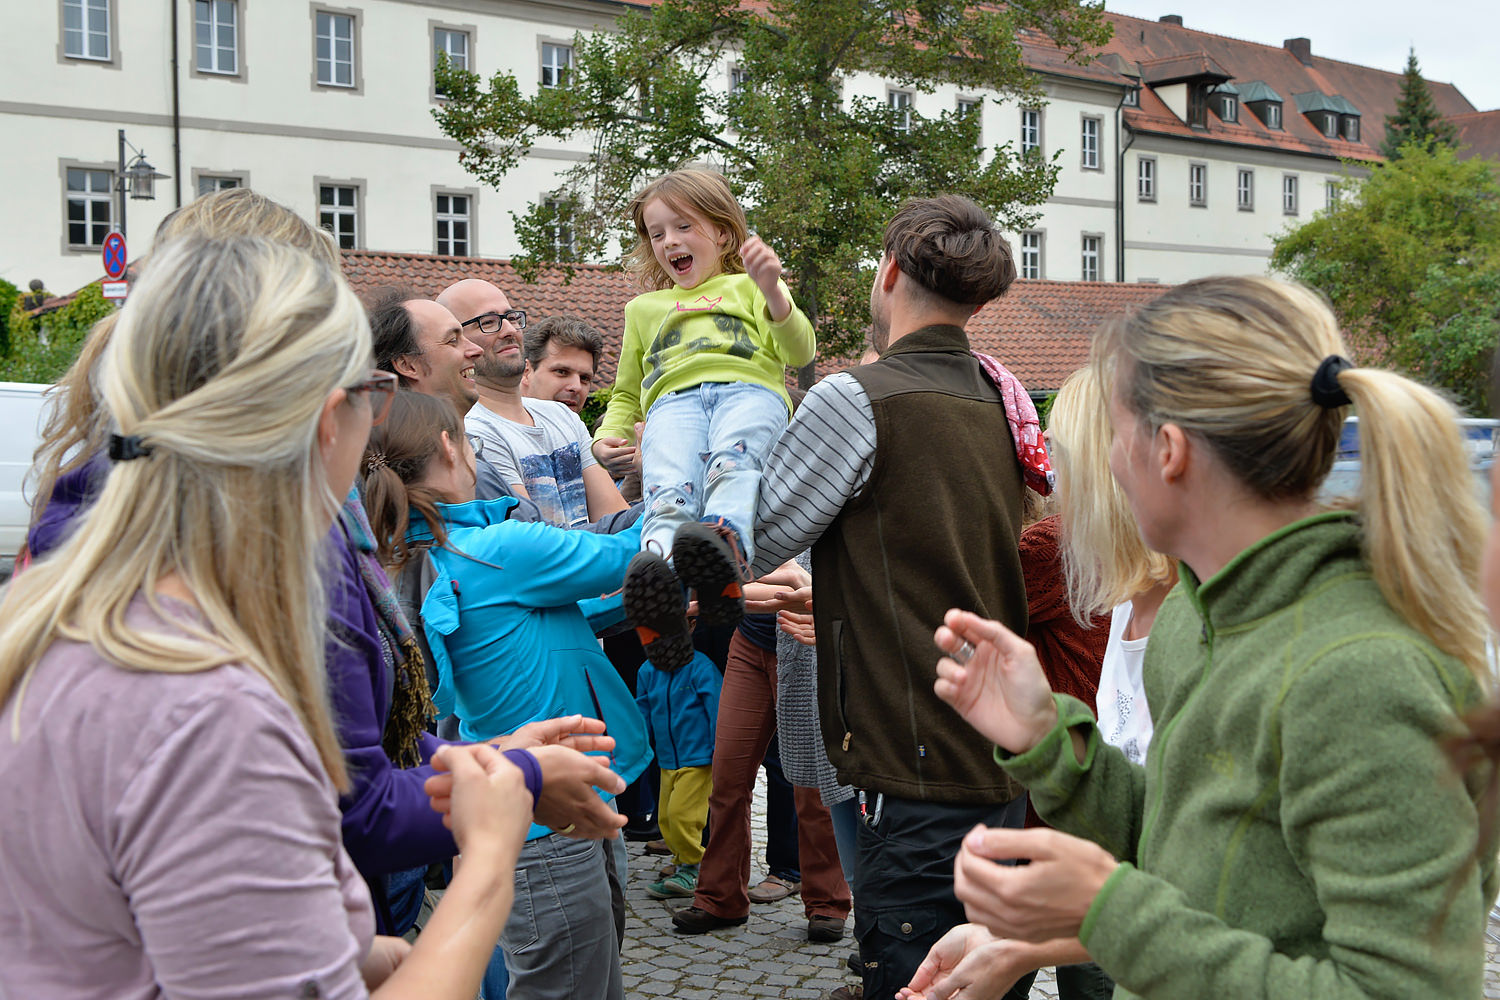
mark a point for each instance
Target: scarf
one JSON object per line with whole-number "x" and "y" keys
{"x": 411, "y": 701}
{"x": 1025, "y": 426}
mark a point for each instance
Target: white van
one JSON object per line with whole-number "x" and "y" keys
{"x": 20, "y": 430}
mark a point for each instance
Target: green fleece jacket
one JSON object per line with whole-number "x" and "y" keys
{"x": 1297, "y": 829}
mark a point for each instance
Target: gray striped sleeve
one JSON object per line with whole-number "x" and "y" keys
{"x": 822, "y": 460}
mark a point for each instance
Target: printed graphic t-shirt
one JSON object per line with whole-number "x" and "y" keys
{"x": 547, "y": 460}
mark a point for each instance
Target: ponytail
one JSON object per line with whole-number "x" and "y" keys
{"x": 1423, "y": 525}
{"x": 396, "y": 459}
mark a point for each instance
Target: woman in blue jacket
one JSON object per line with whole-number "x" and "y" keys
{"x": 511, "y": 645}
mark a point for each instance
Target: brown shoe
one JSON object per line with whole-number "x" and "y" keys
{"x": 691, "y": 920}
{"x": 824, "y": 928}
{"x": 657, "y": 847}
{"x": 773, "y": 889}
{"x": 667, "y": 869}
{"x": 855, "y": 992}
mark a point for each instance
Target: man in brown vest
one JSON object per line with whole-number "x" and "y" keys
{"x": 902, "y": 476}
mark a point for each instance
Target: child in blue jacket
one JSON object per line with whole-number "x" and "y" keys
{"x": 681, "y": 708}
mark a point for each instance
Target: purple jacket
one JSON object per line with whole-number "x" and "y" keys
{"x": 388, "y": 824}
{"x": 72, "y": 494}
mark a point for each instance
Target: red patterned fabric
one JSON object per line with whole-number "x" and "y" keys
{"x": 1025, "y": 426}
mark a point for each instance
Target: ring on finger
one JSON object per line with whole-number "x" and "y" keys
{"x": 568, "y": 829}
{"x": 964, "y": 653}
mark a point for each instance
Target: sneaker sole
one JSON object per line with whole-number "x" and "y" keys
{"x": 653, "y": 600}
{"x": 655, "y": 893}
{"x": 703, "y": 563}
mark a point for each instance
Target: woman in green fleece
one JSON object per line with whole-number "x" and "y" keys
{"x": 1296, "y": 830}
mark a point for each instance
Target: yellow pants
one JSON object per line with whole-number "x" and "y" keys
{"x": 682, "y": 811}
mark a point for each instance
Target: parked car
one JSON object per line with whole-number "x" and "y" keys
{"x": 1479, "y": 437}
{"x": 21, "y": 416}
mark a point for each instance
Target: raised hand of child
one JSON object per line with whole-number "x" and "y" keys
{"x": 764, "y": 268}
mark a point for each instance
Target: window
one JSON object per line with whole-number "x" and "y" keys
{"x": 1132, "y": 97}
{"x": 563, "y": 245}
{"x": 452, "y": 224}
{"x": 1145, "y": 178}
{"x": 1351, "y": 127}
{"x": 556, "y": 61}
{"x": 336, "y": 53}
{"x": 1228, "y": 107}
{"x": 86, "y": 30}
{"x": 1331, "y": 192}
{"x": 451, "y": 44}
{"x": 972, "y": 106}
{"x": 900, "y": 102}
{"x": 90, "y": 206}
{"x": 738, "y": 78}
{"x": 338, "y": 212}
{"x": 216, "y": 29}
{"x": 1088, "y": 144}
{"x": 1198, "y": 185}
{"x": 1197, "y": 105}
{"x": 1031, "y": 254}
{"x": 1244, "y": 190}
{"x": 1272, "y": 117}
{"x": 1031, "y": 130}
{"x": 1330, "y": 125}
{"x": 209, "y": 183}
{"x": 1093, "y": 253}
{"x": 1289, "y": 194}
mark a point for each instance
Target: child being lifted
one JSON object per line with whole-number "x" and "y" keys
{"x": 704, "y": 360}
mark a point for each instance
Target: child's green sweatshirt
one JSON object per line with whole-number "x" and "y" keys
{"x": 717, "y": 331}
{"x": 1297, "y": 828}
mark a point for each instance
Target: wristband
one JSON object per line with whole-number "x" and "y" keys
{"x": 530, "y": 770}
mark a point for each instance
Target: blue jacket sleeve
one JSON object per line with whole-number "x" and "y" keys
{"x": 387, "y": 822}
{"x": 565, "y": 567}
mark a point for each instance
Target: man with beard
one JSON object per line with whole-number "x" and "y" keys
{"x": 902, "y": 476}
{"x": 540, "y": 447}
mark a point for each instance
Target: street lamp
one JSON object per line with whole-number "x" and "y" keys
{"x": 138, "y": 179}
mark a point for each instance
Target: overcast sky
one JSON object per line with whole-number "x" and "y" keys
{"x": 1455, "y": 39}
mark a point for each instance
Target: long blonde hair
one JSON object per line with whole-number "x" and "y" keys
{"x": 704, "y": 192}
{"x": 73, "y": 433}
{"x": 1231, "y": 360}
{"x": 220, "y": 363}
{"x": 1105, "y": 562}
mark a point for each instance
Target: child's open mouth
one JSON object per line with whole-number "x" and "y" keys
{"x": 681, "y": 262}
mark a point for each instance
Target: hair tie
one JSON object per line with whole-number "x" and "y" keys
{"x": 126, "y": 448}
{"x": 375, "y": 461}
{"x": 1326, "y": 391}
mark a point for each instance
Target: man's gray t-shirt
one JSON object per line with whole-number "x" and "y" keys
{"x": 546, "y": 460}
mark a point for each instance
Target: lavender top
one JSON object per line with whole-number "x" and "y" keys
{"x": 169, "y": 835}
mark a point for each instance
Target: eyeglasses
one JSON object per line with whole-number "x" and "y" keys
{"x": 381, "y": 386}
{"x": 476, "y": 443}
{"x": 490, "y": 322}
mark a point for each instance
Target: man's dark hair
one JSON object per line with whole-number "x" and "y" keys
{"x": 951, "y": 248}
{"x": 564, "y": 331}
{"x": 391, "y": 328}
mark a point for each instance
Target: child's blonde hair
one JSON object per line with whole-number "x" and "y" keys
{"x": 1105, "y": 562}
{"x": 694, "y": 189}
{"x": 1231, "y": 360}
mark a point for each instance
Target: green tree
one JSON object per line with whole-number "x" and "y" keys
{"x": 1417, "y": 119}
{"x": 9, "y": 296}
{"x": 818, "y": 173}
{"x": 43, "y": 348}
{"x": 1410, "y": 258}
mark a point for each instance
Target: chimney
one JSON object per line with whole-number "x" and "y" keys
{"x": 1171, "y": 19}
{"x": 1301, "y": 48}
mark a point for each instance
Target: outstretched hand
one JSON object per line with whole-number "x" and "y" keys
{"x": 575, "y": 731}
{"x": 569, "y": 801}
{"x": 481, "y": 795}
{"x": 1001, "y": 690}
{"x": 967, "y": 963}
{"x": 764, "y": 268}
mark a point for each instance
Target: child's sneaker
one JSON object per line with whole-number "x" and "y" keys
{"x": 707, "y": 558}
{"x": 681, "y": 883}
{"x": 653, "y": 601}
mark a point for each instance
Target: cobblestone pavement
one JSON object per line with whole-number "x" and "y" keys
{"x": 770, "y": 955}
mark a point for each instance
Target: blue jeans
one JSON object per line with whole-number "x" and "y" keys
{"x": 560, "y": 939}
{"x": 701, "y": 458}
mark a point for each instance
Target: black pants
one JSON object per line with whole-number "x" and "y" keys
{"x": 903, "y": 884}
{"x": 1085, "y": 981}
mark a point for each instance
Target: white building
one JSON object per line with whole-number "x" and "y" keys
{"x": 327, "y": 109}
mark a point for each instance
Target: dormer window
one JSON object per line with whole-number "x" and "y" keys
{"x": 1330, "y": 125}
{"x": 1350, "y": 128}
{"x": 1197, "y": 109}
{"x": 1225, "y": 100}
{"x": 1262, "y": 101}
{"x": 1334, "y": 116}
{"x": 1133, "y": 97}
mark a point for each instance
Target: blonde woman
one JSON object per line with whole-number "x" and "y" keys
{"x": 1296, "y": 831}
{"x": 70, "y": 465}
{"x": 168, "y": 761}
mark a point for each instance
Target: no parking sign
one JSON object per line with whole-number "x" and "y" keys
{"x": 114, "y": 266}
